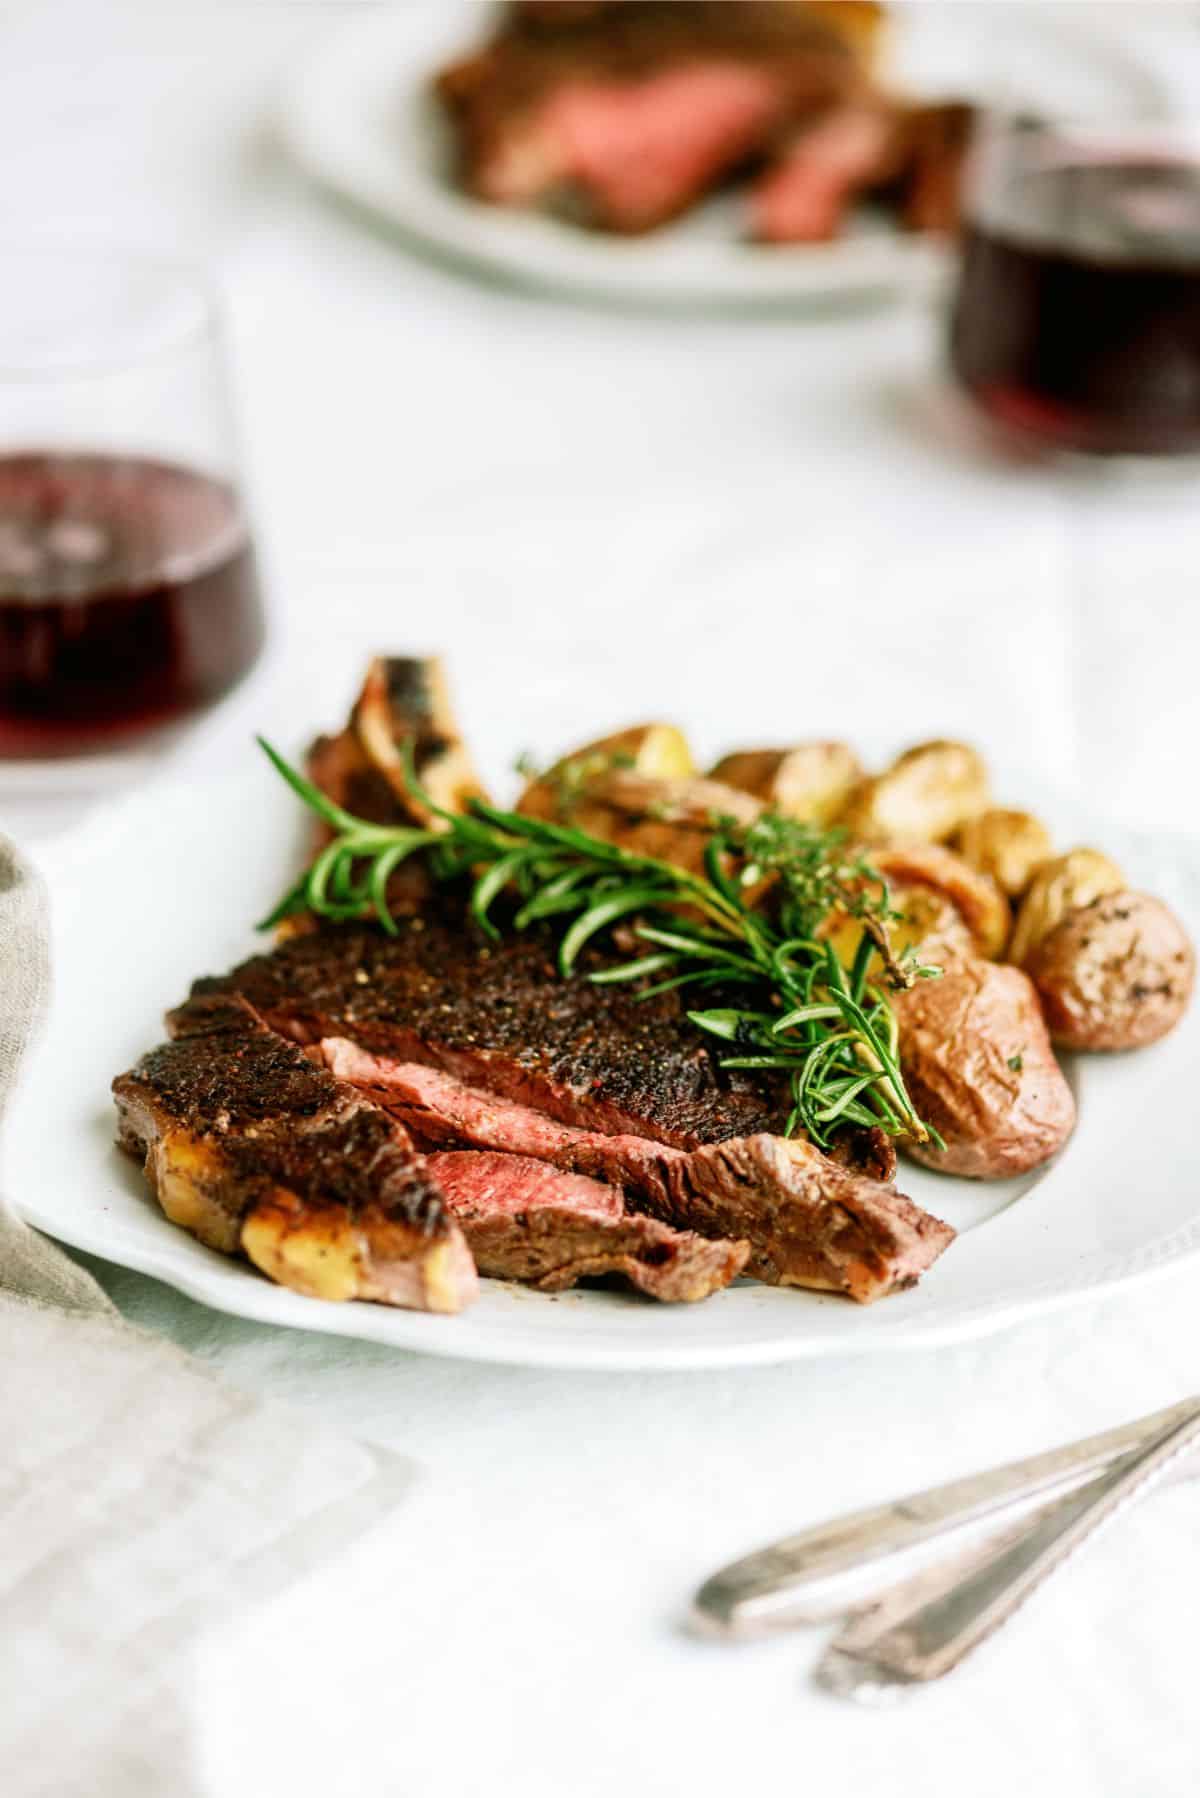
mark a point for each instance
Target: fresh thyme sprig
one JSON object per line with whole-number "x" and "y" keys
{"x": 749, "y": 925}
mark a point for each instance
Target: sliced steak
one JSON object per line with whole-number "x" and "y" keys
{"x": 804, "y": 195}
{"x": 808, "y": 1221}
{"x": 931, "y": 184}
{"x": 441, "y": 1109}
{"x": 628, "y": 115}
{"x": 633, "y": 1078}
{"x": 251, "y": 1146}
{"x": 525, "y": 1220}
{"x": 499, "y": 1016}
{"x": 641, "y": 152}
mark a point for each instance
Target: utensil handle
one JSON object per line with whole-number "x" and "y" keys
{"x": 925, "y": 1628}
{"x": 789, "y": 1582}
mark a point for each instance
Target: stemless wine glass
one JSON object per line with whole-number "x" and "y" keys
{"x": 128, "y": 589}
{"x": 1077, "y": 316}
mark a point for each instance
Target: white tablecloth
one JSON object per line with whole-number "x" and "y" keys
{"x": 764, "y": 527}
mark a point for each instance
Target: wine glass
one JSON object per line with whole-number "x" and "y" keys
{"x": 1077, "y": 316}
{"x": 129, "y": 595}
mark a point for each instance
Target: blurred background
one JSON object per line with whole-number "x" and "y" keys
{"x": 771, "y": 513}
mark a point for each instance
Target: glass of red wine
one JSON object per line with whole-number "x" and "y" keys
{"x": 1077, "y": 316}
{"x": 128, "y": 590}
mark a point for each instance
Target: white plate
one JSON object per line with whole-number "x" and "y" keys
{"x": 162, "y": 888}
{"x": 359, "y": 118}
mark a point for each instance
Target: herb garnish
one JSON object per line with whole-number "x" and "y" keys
{"x": 801, "y": 1012}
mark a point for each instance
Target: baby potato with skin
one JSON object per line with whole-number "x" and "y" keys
{"x": 930, "y": 927}
{"x": 1007, "y": 845}
{"x": 1115, "y": 974}
{"x": 811, "y": 781}
{"x": 926, "y": 794}
{"x": 978, "y": 1065}
{"x": 667, "y": 819}
{"x": 659, "y": 751}
{"x": 1057, "y": 887}
{"x": 975, "y": 896}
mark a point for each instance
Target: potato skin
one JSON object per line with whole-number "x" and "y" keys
{"x": 657, "y": 750}
{"x": 932, "y": 928}
{"x": 926, "y": 794}
{"x": 811, "y": 781}
{"x": 977, "y": 1061}
{"x": 976, "y": 897}
{"x": 669, "y": 819}
{"x": 1007, "y": 845}
{"x": 1057, "y": 887}
{"x": 1115, "y": 974}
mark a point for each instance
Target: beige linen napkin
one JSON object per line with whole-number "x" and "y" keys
{"x": 144, "y": 1506}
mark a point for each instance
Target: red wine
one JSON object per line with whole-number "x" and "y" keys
{"x": 128, "y": 595}
{"x": 1078, "y": 310}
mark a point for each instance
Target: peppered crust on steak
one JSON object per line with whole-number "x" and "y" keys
{"x": 254, "y": 1148}
{"x": 500, "y": 1015}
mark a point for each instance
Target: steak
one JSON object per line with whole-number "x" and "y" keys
{"x": 908, "y": 159}
{"x": 629, "y": 114}
{"x": 638, "y": 1097}
{"x": 251, "y": 1146}
{"x": 499, "y": 1016}
{"x": 804, "y": 195}
{"x": 938, "y": 140}
{"x": 808, "y": 1221}
{"x": 525, "y": 1220}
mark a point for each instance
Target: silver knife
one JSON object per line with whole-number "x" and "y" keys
{"x": 925, "y": 1627}
{"x": 804, "y": 1578}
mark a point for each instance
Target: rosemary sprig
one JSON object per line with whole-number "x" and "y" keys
{"x": 749, "y": 926}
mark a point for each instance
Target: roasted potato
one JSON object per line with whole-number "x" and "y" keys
{"x": 1115, "y": 974}
{"x": 926, "y": 794}
{"x": 1057, "y": 887}
{"x": 931, "y": 925}
{"x": 1007, "y": 845}
{"x": 403, "y": 699}
{"x": 659, "y": 751}
{"x": 671, "y": 820}
{"x": 812, "y": 781}
{"x": 976, "y": 897}
{"x": 977, "y": 1061}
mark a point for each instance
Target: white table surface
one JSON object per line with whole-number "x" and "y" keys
{"x": 765, "y": 527}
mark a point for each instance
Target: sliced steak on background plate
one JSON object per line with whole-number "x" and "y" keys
{"x": 624, "y": 117}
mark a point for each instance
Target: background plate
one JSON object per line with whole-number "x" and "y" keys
{"x": 160, "y": 889}
{"x": 358, "y": 117}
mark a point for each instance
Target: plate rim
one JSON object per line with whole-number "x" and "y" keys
{"x": 988, "y": 1317}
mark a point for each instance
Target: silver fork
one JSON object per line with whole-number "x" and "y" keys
{"x": 821, "y": 1572}
{"x": 926, "y": 1626}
